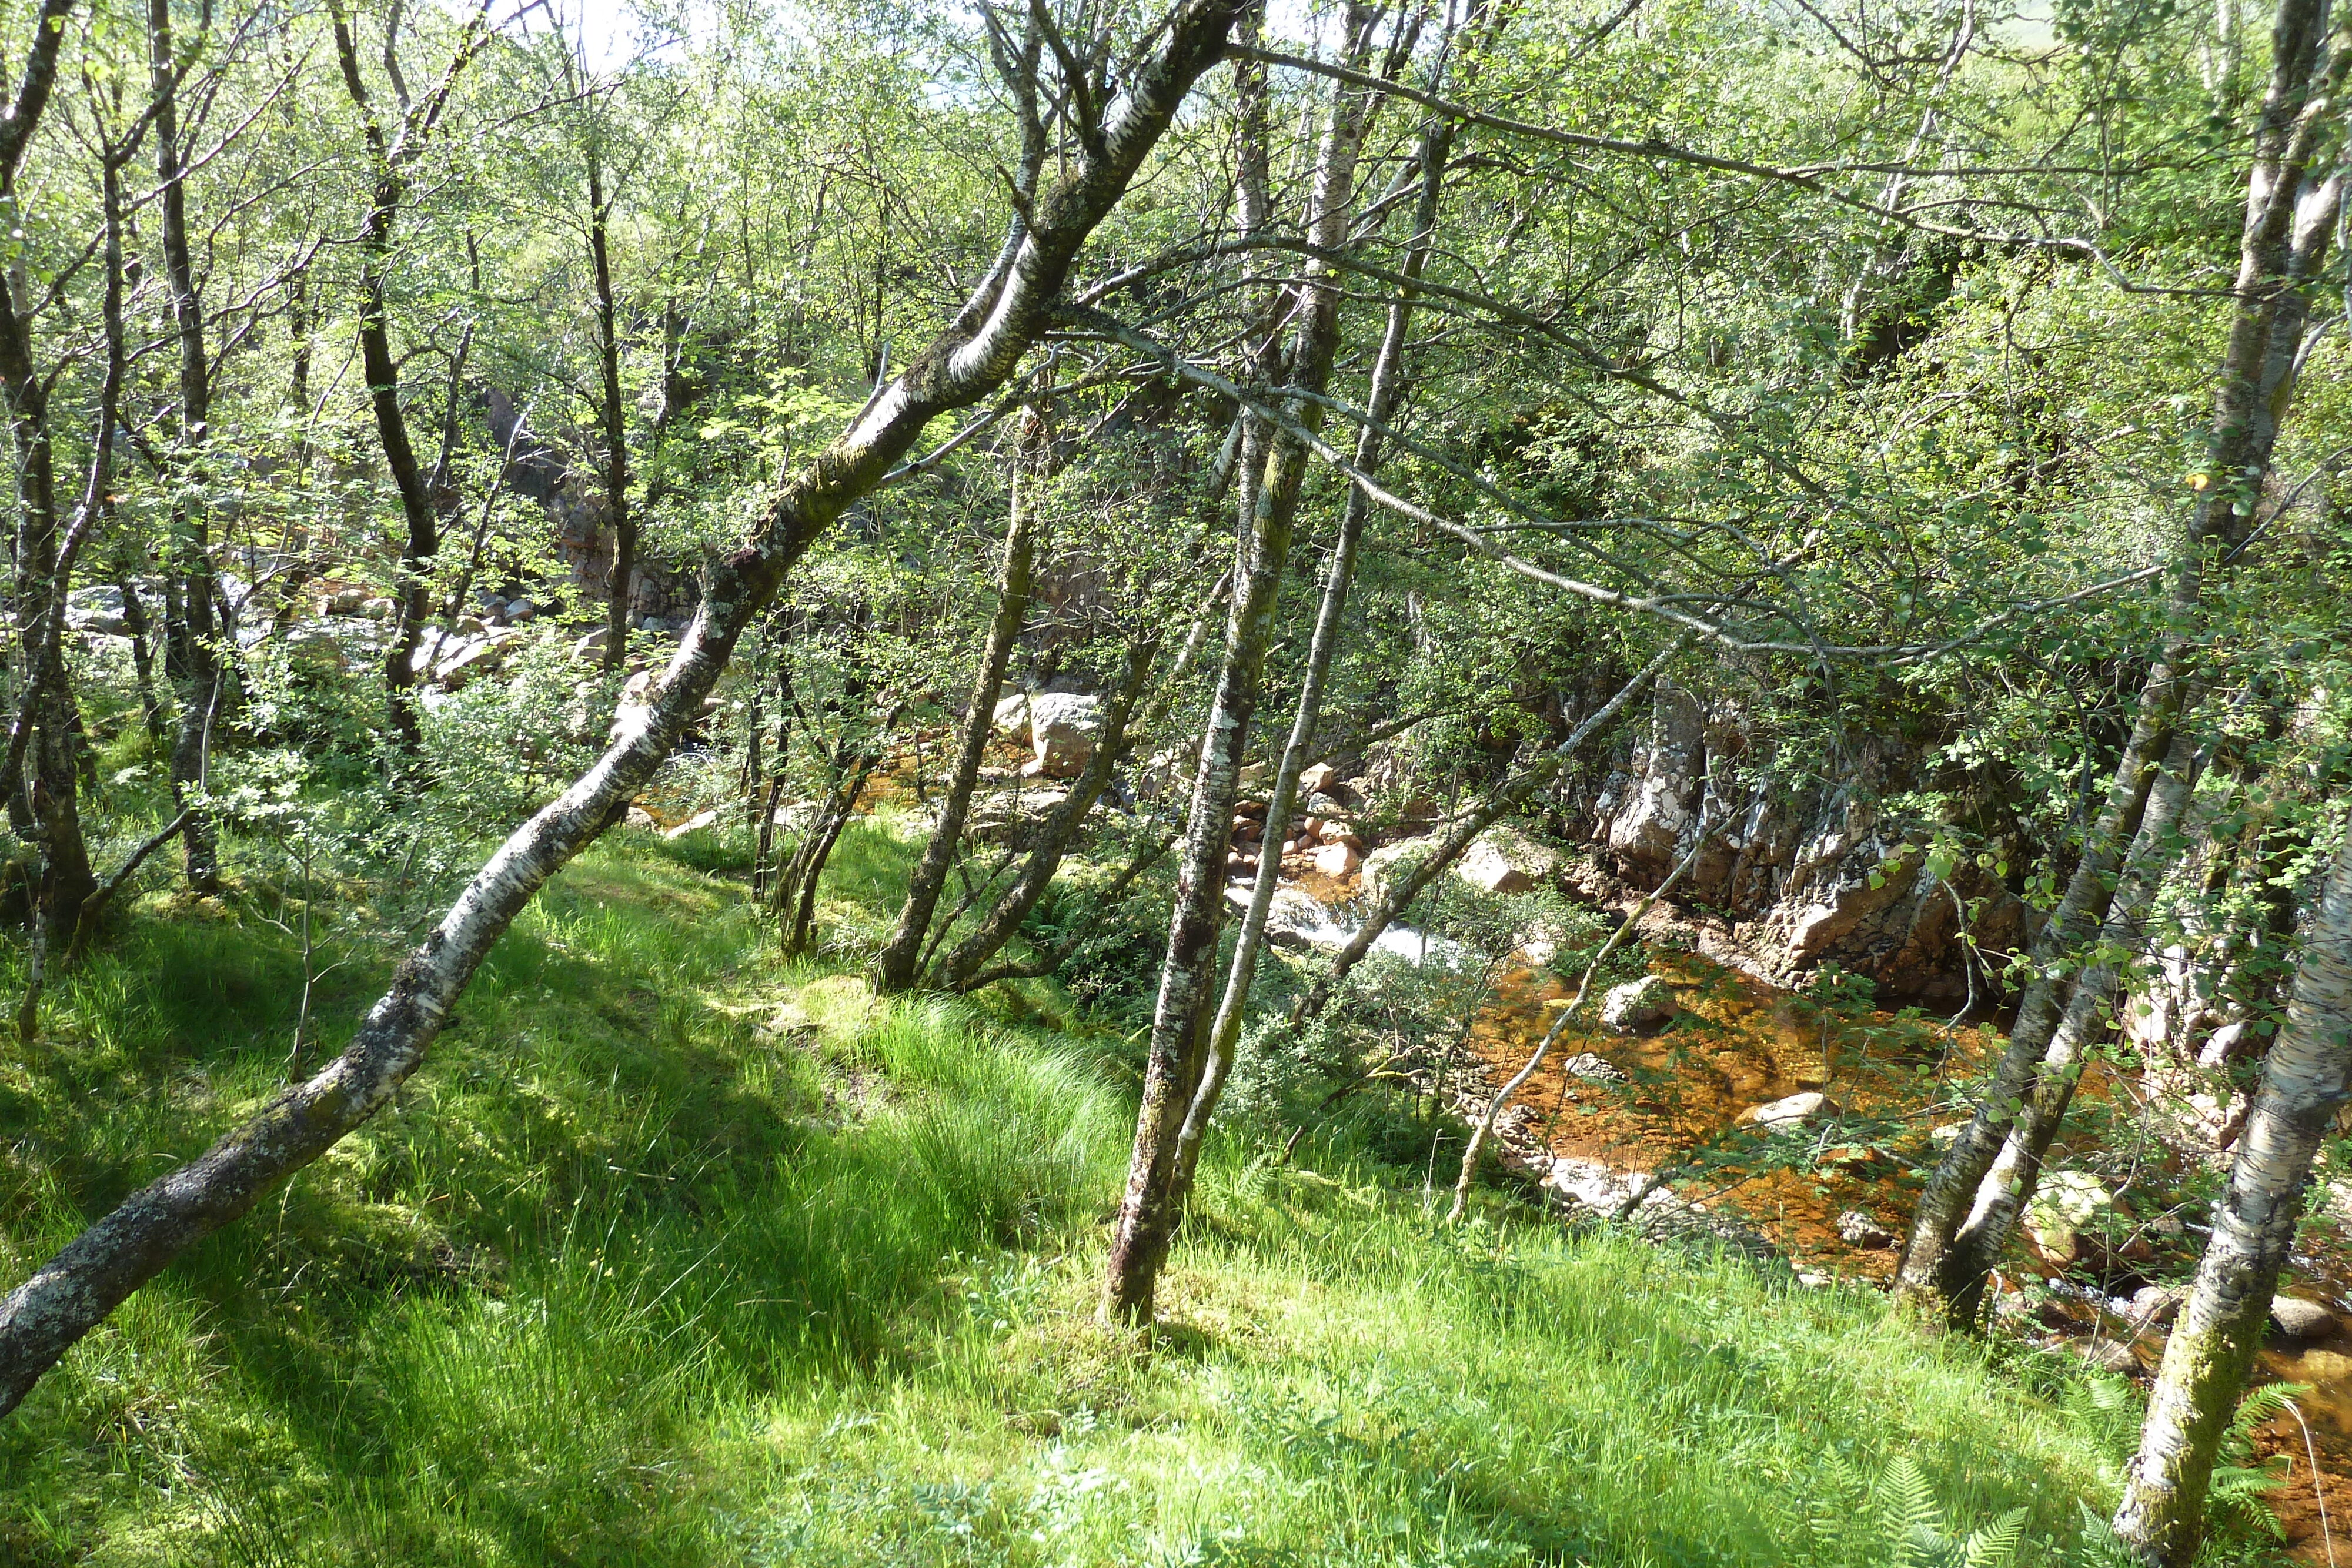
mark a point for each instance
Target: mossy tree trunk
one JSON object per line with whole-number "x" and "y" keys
{"x": 2306, "y": 1077}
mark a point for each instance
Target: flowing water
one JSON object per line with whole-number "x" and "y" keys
{"x": 1838, "y": 1210}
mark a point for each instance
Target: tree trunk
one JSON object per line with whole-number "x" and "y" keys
{"x": 1151, "y": 1206}
{"x": 75, "y": 1290}
{"x": 1403, "y": 889}
{"x": 2290, "y": 213}
{"x": 421, "y": 540}
{"x": 1386, "y": 391}
{"x": 2008, "y": 1184}
{"x": 622, "y": 578}
{"x": 895, "y": 967}
{"x": 961, "y": 970}
{"x": 2305, "y": 1077}
{"x": 188, "y": 552}
{"x": 43, "y": 792}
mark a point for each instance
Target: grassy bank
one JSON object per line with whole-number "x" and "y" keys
{"x": 675, "y": 1255}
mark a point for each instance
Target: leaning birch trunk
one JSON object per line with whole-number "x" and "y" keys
{"x": 1617, "y": 938}
{"x": 1457, "y": 835}
{"x": 72, "y": 1292}
{"x": 1150, "y": 1208}
{"x": 2008, "y": 1187}
{"x": 895, "y": 966}
{"x": 1381, "y": 402}
{"x": 2290, "y": 213}
{"x": 2306, "y": 1078}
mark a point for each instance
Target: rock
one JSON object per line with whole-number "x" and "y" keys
{"x": 2064, "y": 1203}
{"x": 1859, "y": 1230}
{"x": 640, "y": 817}
{"x": 1639, "y": 1007}
{"x": 1011, "y": 715}
{"x": 693, "y": 824}
{"x": 1314, "y": 780}
{"x": 1792, "y": 1114}
{"x": 381, "y": 607}
{"x": 1591, "y": 1069}
{"x": 317, "y": 652}
{"x": 2152, "y": 1305}
{"x": 471, "y": 659}
{"x": 1382, "y": 863}
{"x": 1063, "y": 728}
{"x": 2109, "y": 1355}
{"x": 1333, "y": 832}
{"x": 470, "y": 626}
{"x": 519, "y": 611}
{"x": 2300, "y": 1320}
{"x": 346, "y": 601}
{"x": 1504, "y": 860}
{"x": 1338, "y": 860}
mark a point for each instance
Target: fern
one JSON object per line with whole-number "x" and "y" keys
{"x": 1908, "y": 1519}
{"x": 1997, "y": 1544}
{"x": 2100, "y": 1547}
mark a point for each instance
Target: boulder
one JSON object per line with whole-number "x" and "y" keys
{"x": 640, "y": 817}
{"x": 383, "y": 607}
{"x": 591, "y": 648}
{"x": 1316, "y": 779}
{"x": 1792, "y": 1114}
{"x": 1381, "y": 861}
{"x": 2109, "y": 1355}
{"x": 2156, "y": 1304}
{"x": 1504, "y": 860}
{"x": 1338, "y": 860}
{"x": 1591, "y": 1069}
{"x": 1638, "y": 1007}
{"x": 470, "y": 659}
{"x": 346, "y": 601}
{"x": 2063, "y": 1204}
{"x": 519, "y": 611}
{"x": 693, "y": 824}
{"x": 1858, "y": 1230}
{"x": 317, "y": 652}
{"x": 1062, "y": 728}
{"x": 1011, "y": 715}
{"x": 2297, "y": 1319}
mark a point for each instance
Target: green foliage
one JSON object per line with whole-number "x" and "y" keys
{"x": 671, "y": 1257}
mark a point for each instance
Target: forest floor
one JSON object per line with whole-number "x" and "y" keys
{"x": 677, "y": 1254}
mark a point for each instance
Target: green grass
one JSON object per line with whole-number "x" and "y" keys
{"x": 674, "y": 1255}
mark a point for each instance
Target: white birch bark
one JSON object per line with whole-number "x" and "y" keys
{"x": 2306, "y": 1078}
{"x": 74, "y": 1290}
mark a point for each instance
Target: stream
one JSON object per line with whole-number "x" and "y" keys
{"x": 1606, "y": 1110}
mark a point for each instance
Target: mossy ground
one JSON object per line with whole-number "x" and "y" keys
{"x": 677, "y": 1254}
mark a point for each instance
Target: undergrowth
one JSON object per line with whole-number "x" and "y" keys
{"x": 678, "y": 1255}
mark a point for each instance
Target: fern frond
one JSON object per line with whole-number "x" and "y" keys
{"x": 1907, "y": 1512}
{"x": 2099, "y": 1546}
{"x": 1995, "y": 1545}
